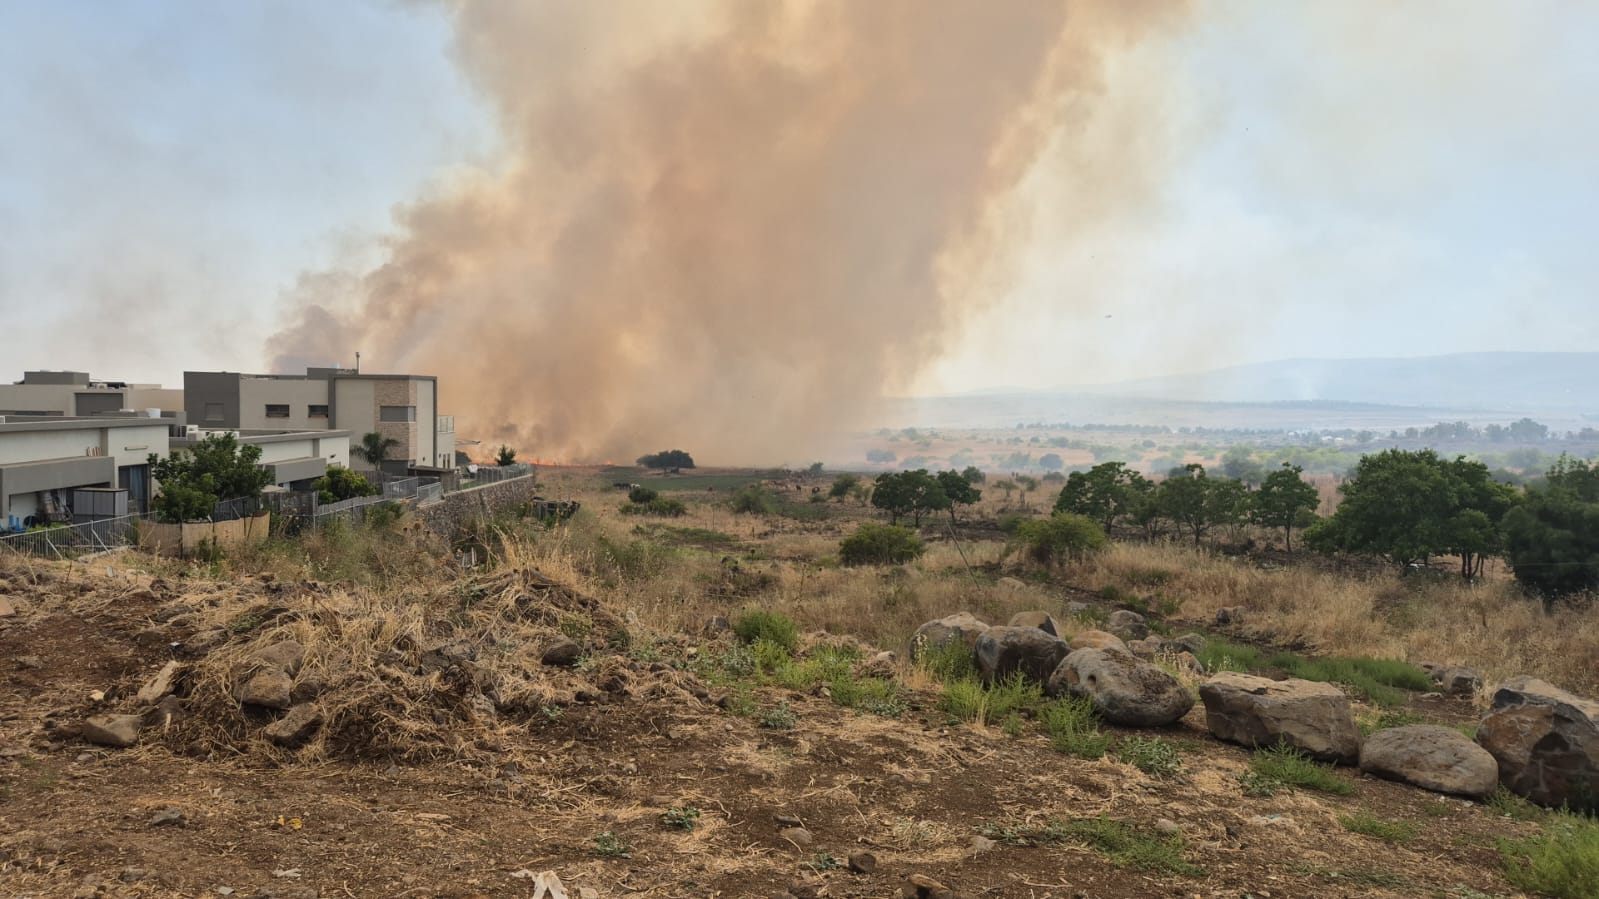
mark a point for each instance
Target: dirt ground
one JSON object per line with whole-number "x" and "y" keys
{"x": 533, "y": 793}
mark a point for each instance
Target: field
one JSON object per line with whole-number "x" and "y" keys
{"x": 673, "y": 759}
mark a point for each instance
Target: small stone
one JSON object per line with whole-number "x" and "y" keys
{"x": 862, "y": 862}
{"x": 1167, "y": 826}
{"x": 168, "y": 710}
{"x": 30, "y": 663}
{"x": 918, "y": 886}
{"x": 271, "y": 689}
{"x": 286, "y": 656}
{"x": 799, "y": 836}
{"x": 981, "y": 844}
{"x": 563, "y": 653}
{"x": 296, "y": 727}
{"x": 7, "y": 610}
{"x": 133, "y": 875}
{"x": 159, "y": 685}
{"x": 800, "y": 889}
{"x": 169, "y": 817}
{"x": 787, "y": 821}
{"x": 112, "y": 730}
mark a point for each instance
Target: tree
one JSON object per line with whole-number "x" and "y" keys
{"x": 959, "y": 491}
{"x": 842, "y": 485}
{"x": 1057, "y": 538}
{"x": 815, "y": 470}
{"x": 1008, "y": 486}
{"x": 342, "y": 483}
{"x": 1104, "y": 493}
{"x": 374, "y": 448}
{"x": 1239, "y": 463}
{"x": 1552, "y": 536}
{"x": 1027, "y": 484}
{"x": 1194, "y": 500}
{"x": 913, "y": 493}
{"x": 1051, "y": 462}
{"x": 973, "y": 474}
{"x": 667, "y": 460}
{"x": 217, "y": 468}
{"x": 506, "y": 456}
{"x": 1283, "y": 501}
{"x": 1410, "y": 505}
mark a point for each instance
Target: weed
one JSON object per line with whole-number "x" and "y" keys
{"x": 1507, "y": 804}
{"x": 608, "y": 845}
{"x": 1013, "y": 694}
{"x": 778, "y": 717}
{"x": 1073, "y": 728}
{"x": 869, "y": 694}
{"x": 775, "y": 627}
{"x": 754, "y": 501}
{"x": 1125, "y": 845}
{"x": 741, "y": 702}
{"x": 963, "y": 700}
{"x": 576, "y": 625}
{"x": 1389, "y": 718}
{"x": 1370, "y": 825}
{"x": 1012, "y": 725}
{"x": 1220, "y": 655}
{"x": 1292, "y": 768}
{"x": 824, "y": 861}
{"x": 947, "y": 662}
{"x": 770, "y": 657}
{"x": 682, "y": 817}
{"x": 1151, "y": 755}
{"x": 1562, "y": 862}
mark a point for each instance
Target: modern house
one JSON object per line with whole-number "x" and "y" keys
{"x": 403, "y": 407}
{"x": 76, "y": 394}
{"x": 295, "y": 458}
{"x": 59, "y": 469}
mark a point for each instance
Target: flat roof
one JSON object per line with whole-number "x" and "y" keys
{"x": 259, "y": 437}
{"x": 10, "y": 424}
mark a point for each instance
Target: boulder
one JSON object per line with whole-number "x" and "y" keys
{"x": 159, "y": 685}
{"x": 270, "y": 689}
{"x": 562, "y": 653}
{"x": 1546, "y": 742}
{"x": 1078, "y": 608}
{"x": 1147, "y": 648}
{"x": 880, "y": 666}
{"x": 1456, "y": 681}
{"x": 112, "y": 730}
{"x": 1431, "y": 757}
{"x": 1229, "y": 615}
{"x": 1012, "y": 583}
{"x": 1185, "y": 661}
{"x": 1041, "y": 620}
{"x": 1124, "y": 690}
{"x": 1098, "y": 640}
{"x": 286, "y": 656}
{"x": 296, "y": 727}
{"x": 1193, "y": 643}
{"x": 1311, "y": 717}
{"x": 1127, "y": 625}
{"x": 1002, "y": 651}
{"x": 963, "y": 627}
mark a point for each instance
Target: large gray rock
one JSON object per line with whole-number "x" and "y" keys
{"x": 296, "y": 727}
{"x": 271, "y": 688}
{"x": 1041, "y": 620}
{"x": 1457, "y": 681}
{"x": 1431, "y": 757}
{"x": 961, "y": 627}
{"x": 1546, "y": 742}
{"x": 1097, "y": 640}
{"x": 1124, "y": 690}
{"x": 1127, "y": 625}
{"x": 1311, "y": 717}
{"x": 113, "y": 730}
{"x": 1002, "y": 651}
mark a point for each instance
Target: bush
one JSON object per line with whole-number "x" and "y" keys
{"x": 1073, "y": 728}
{"x": 342, "y": 483}
{"x": 1060, "y": 537}
{"x": 754, "y": 501}
{"x": 948, "y": 661}
{"x": 1563, "y": 861}
{"x": 1125, "y": 845}
{"x": 773, "y": 627}
{"x": 1151, "y": 755}
{"x": 661, "y": 507}
{"x": 881, "y": 544}
{"x": 641, "y": 495}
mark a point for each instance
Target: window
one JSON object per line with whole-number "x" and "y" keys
{"x": 317, "y": 411}
{"x": 277, "y": 410}
{"x": 397, "y": 413}
{"x": 213, "y": 411}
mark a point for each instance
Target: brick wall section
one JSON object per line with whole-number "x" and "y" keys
{"x": 457, "y": 510}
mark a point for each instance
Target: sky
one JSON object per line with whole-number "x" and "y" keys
{"x": 1334, "y": 179}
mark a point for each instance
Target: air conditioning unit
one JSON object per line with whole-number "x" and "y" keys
{"x": 193, "y": 431}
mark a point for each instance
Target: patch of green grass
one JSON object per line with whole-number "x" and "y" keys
{"x": 608, "y": 845}
{"x": 1509, "y": 805}
{"x": 1151, "y": 755}
{"x": 1370, "y": 825}
{"x": 823, "y": 861}
{"x": 682, "y": 817}
{"x": 1013, "y": 725}
{"x": 775, "y": 627}
{"x": 701, "y": 538}
{"x": 964, "y": 700}
{"x": 778, "y": 717}
{"x": 721, "y": 667}
{"x": 1220, "y": 655}
{"x": 1562, "y": 862}
{"x": 1365, "y": 877}
{"x": 947, "y": 662}
{"x": 1292, "y": 768}
{"x": 873, "y": 695}
{"x": 967, "y": 699}
{"x": 1381, "y": 681}
{"x": 1389, "y": 718}
{"x": 1131, "y": 847}
{"x": 1013, "y": 694}
{"x": 1073, "y": 728}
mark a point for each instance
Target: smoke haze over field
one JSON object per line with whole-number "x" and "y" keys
{"x": 735, "y": 229}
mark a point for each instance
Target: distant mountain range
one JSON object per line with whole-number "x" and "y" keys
{"x": 1560, "y": 389}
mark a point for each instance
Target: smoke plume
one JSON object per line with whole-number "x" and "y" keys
{"x": 732, "y": 230}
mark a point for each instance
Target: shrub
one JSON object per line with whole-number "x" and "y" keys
{"x": 754, "y": 501}
{"x": 1563, "y": 861}
{"x": 1151, "y": 755}
{"x": 1073, "y": 728}
{"x": 660, "y": 506}
{"x": 682, "y": 817}
{"x": 778, "y": 717}
{"x": 641, "y": 495}
{"x": 608, "y": 845}
{"x": 1126, "y": 845}
{"x": 881, "y": 544}
{"x": 773, "y": 627}
{"x": 1060, "y": 537}
{"x": 947, "y": 662}
{"x": 963, "y": 700}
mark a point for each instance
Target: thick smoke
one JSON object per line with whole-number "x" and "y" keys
{"x": 732, "y": 235}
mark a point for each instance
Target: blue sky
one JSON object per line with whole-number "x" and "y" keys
{"x": 1338, "y": 179}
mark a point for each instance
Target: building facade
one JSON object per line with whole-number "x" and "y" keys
{"x": 294, "y": 458}
{"x": 402, "y": 407}
{"x": 49, "y": 466}
{"x": 74, "y": 394}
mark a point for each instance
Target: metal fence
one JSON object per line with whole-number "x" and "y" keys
{"x": 232, "y": 509}
{"x": 72, "y": 540}
{"x": 495, "y": 474}
{"x": 429, "y": 493}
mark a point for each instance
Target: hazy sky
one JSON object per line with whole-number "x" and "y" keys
{"x": 1339, "y": 179}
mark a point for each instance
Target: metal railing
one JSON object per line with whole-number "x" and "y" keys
{"x": 232, "y": 509}
{"x": 493, "y": 474}
{"x": 69, "y": 541}
{"x": 429, "y": 493}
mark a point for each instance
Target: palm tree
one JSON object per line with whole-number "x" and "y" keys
{"x": 374, "y": 448}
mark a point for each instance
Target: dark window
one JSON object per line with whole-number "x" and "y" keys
{"x": 397, "y": 413}
{"x": 317, "y": 411}
{"x": 213, "y": 411}
{"x": 277, "y": 410}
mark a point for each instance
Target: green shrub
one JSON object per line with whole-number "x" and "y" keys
{"x": 947, "y": 662}
{"x": 1370, "y": 825}
{"x": 881, "y": 544}
{"x": 608, "y": 845}
{"x": 1013, "y": 694}
{"x": 660, "y": 507}
{"x": 1126, "y": 845}
{"x": 1563, "y": 861}
{"x": 963, "y": 699}
{"x": 771, "y": 657}
{"x": 773, "y": 627}
{"x": 1073, "y": 728}
{"x": 754, "y": 500}
{"x": 778, "y": 717}
{"x": 642, "y": 495}
{"x": 1292, "y": 768}
{"x": 1060, "y": 537}
{"x": 1151, "y": 755}
{"x": 682, "y": 817}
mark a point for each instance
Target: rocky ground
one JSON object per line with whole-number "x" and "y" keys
{"x": 432, "y": 771}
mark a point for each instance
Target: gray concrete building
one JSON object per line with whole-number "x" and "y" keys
{"x": 76, "y": 394}
{"x": 57, "y": 469}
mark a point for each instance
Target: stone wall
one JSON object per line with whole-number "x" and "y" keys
{"x": 458, "y": 510}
